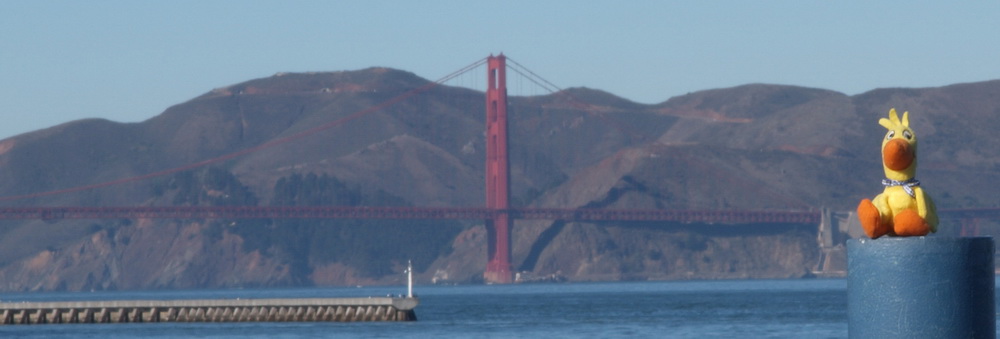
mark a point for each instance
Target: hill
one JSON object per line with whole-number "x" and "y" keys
{"x": 756, "y": 146}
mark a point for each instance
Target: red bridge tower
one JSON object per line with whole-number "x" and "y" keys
{"x": 498, "y": 269}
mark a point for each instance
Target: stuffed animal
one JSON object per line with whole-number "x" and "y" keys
{"x": 903, "y": 209}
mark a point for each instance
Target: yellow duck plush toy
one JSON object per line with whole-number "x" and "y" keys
{"x": 903, "y": 209}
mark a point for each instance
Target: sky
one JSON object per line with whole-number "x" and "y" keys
{"x": 128, "y": 61}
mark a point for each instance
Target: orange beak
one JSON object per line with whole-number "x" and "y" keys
{"x": 897, "y": 155}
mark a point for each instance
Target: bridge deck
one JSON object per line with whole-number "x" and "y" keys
{"x": 366, "y": 212}
{"x": 469, "y": 213}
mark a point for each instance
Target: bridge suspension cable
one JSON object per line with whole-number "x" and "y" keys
{"x": 575, "y": 102}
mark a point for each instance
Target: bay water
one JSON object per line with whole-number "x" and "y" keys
{"x": 810, "y": 308}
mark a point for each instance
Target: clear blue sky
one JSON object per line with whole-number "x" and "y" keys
{"x": 127, "y": 61}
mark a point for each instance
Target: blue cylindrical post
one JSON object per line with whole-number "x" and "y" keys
{"x": 921, "y": 287}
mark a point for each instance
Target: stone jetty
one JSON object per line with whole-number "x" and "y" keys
{"x": 214, "y": 310}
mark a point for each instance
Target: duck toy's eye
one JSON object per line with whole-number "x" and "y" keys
{"x": 889, "y": 135}
{"x": 908, "y": 135}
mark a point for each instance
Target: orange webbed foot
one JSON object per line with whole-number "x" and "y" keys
{"x": 871, "y": 221}
{"x": 908, "y": 223}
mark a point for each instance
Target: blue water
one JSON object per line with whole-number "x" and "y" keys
{"x": 689, "y": 309}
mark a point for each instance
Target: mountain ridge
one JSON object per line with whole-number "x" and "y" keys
{"x": 755, "y": 146}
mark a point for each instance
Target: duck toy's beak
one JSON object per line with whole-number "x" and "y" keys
{"x": 897, "y": 155}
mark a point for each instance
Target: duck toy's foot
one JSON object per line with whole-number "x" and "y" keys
{"x": 908, "y": 224}
{"x": 871, "y": 220}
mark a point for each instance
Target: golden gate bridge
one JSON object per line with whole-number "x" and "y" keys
{"x": 497, "y": 214}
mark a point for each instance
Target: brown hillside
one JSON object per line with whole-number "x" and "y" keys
{"x": 748, "y": 147}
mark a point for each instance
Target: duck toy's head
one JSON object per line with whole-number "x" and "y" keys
{"x": 899, "y": 147}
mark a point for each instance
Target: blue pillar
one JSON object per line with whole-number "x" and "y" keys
{"x": 921, "y": 287}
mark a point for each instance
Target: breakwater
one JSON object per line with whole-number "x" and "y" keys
{"x": 214, "y": 310}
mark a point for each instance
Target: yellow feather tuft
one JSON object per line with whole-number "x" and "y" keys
{"x": 893, "y": 123}
{"x": 893, "y": 116}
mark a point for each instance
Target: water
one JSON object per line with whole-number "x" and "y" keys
{"x": 689, "y": 309}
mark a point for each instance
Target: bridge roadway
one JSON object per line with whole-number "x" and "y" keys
{"x": 468, "y": 213}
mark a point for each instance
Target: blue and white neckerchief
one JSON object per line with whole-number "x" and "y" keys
{"x": 907, "y": 185}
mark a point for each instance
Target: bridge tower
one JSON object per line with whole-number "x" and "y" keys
{"x": 498, "y": 268}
